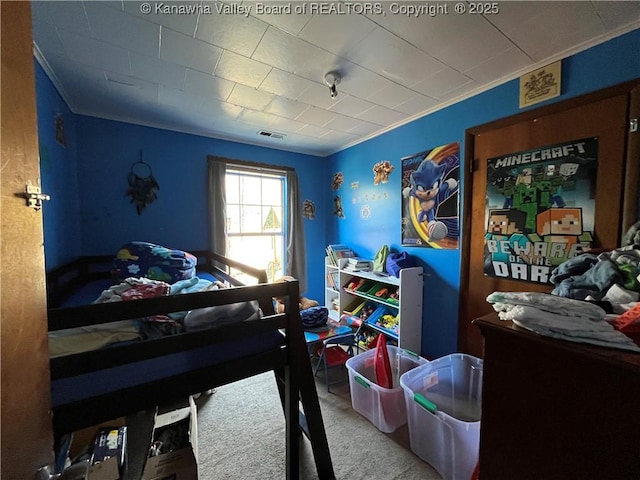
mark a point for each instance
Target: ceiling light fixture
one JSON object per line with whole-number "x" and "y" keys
{"x": 332, "y": 79}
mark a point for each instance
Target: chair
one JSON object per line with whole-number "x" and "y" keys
{"x": 334, "y": 355}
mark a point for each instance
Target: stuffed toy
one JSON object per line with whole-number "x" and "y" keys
{"x": 304, "y": 302}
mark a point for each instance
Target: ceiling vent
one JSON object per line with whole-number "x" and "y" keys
{"x": 277, "y": 136}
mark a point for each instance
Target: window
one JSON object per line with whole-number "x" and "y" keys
{"x": 255, "y": 220}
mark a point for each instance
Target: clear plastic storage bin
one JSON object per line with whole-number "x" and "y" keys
{"x": 443, "y": 402}
{"x": 384, "y": 407}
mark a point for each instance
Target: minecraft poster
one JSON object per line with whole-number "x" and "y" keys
{"x": 540, "y": 209}
{"x": 430, "y": 198}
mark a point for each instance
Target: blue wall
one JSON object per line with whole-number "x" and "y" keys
{"x": 613, "y": 62}
{"x": 59, "y": 173}
{"x": 99, "y": 155}
{"x": 178, "y": 218}
{"x": 103, "y": 218}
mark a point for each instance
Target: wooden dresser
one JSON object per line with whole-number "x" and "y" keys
{"x": 553, "y": 409}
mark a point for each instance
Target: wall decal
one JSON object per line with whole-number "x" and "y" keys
{"x": 309, "y": 209}
{"x": 381, "y": 172}
{"x": 430, "y": 206}
{"x": 337, "y": 180}
{"x": 337, "y": 206}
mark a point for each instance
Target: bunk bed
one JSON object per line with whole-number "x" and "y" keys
{"x": 99, "y": 385}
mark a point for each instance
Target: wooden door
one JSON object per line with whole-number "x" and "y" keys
{"x": 26, "y": 439}
{"x": 603, "y": 116}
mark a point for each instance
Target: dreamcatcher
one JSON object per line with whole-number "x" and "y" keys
{"x": 142, "y": 186}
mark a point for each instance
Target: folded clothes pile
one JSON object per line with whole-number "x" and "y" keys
{"x": 560, "y": 317}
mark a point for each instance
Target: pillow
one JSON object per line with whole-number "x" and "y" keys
{"x": 220, "y": 315}
{"x": 144, "y": 259}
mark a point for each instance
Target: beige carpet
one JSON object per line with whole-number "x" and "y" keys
{"x": 241, "y": 437}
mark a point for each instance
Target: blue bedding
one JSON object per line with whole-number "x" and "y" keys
{"x": 144, "y": 259}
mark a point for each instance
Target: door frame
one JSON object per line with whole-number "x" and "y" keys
{"x": 632, "y": 173}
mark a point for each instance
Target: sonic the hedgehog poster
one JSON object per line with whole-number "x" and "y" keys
{"x": 431, "y": 198}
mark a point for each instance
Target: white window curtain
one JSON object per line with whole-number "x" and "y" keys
{"x": 296, "y": 265}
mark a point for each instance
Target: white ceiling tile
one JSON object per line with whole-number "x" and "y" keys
{"x": 542, "y": 29}
{"x": 293, "y": 55}
{"x": 364, "y": 129}
{"x": 398, "y": 61}
{"x": 129, "y": 90}
{"x": 155, "y": 70}
{"x": 46, "y": 38}
{"x": 313, "y": 131}
{"x": 285, "y": 84}
{"x": 282, "y": 50}
{"x": 180, "y": 16}
{"x": 617, "y": 14}
{"x": 266, "y": 120}
{"x": 441, "y": 82}
{"x": 360, "y": 82}
{"x": 336, "y": 33}
{"x": 384, "y": 116}
{"x": 340, "y": 137}
{"x": 417, "y": 104}
{"x": 290, "y": 22}
{"x": 433, "y": 33}
{"x": 316, "y": 116}
{"x": 394, "y": 67}
{"x": 317, "y": 95}
{"x": 95, "y": 53}
{"x": 350, "y": 106}
{"x": 233, "y": 32}
{"x": 79, "y": 82}
{"x": 115, "y": 4}
{"x": 344, "y": 123}
{"x": 466, "y": 51}
{"x": 249, "y": 97}
{"x": 188, "y": 102}
{"x": 502, "y": 65}
{"x": 460, "y": 92}
{"x": 287, "y": 124}
{"x": 64, "y": 15}
{"x": 392, "y": 95}
{"x": 286, "y": 108}
{"x": 241, "y": 69}
{"x": 206, "y": 85}
{"x": 116, "y": 27}
{"x": 188, "y": 52}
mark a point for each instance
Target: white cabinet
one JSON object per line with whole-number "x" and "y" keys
{"x": 394, "y": 304}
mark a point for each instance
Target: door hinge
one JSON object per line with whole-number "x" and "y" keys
{"x": 633, "y": 125}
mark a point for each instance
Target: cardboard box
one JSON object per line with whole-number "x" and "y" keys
{"x": 84, "y": 442}
{"x": 108, "y": 453}
{"x": 174, "y": 463}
